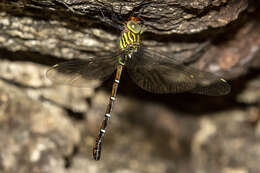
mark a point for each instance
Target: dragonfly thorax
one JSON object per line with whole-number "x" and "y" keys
{"x": 130, "y": 37}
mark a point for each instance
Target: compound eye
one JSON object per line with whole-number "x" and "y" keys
{"x": 134, "y": 27}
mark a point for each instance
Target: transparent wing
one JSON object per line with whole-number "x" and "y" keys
{"x": 158, "y": 73}
{"x": 83, "y": 73}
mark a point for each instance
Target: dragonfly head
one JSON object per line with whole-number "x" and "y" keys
{"x": 135, "y": 25}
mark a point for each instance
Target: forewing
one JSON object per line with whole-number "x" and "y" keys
{"x": 83, "y": 72}
{"x": 158, "y": 73}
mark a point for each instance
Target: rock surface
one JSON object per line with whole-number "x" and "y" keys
{"x": 46, "y": 128}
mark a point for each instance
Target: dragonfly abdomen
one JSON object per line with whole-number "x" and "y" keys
{"x": 100, "y": 137}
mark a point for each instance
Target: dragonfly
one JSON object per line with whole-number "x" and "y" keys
{"x": 149, "y": 69}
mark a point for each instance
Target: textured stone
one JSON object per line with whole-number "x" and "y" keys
{"x": 48, "y": 128}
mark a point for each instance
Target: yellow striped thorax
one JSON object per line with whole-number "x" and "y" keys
{"x": 131, "y": 34}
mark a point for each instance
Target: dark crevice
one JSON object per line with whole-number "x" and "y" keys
{"x": 26, "y": 56}
{"x": 68, "y": 160}
{"x": 22, "y": 85}
{"x": 89, "y": 101}
{"x": 75, "y": 115}
{"x": 34, "y": 57}
{"x": 79, "y": 116}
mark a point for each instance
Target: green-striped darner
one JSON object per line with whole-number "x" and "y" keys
{"x": 150, "y": 70}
